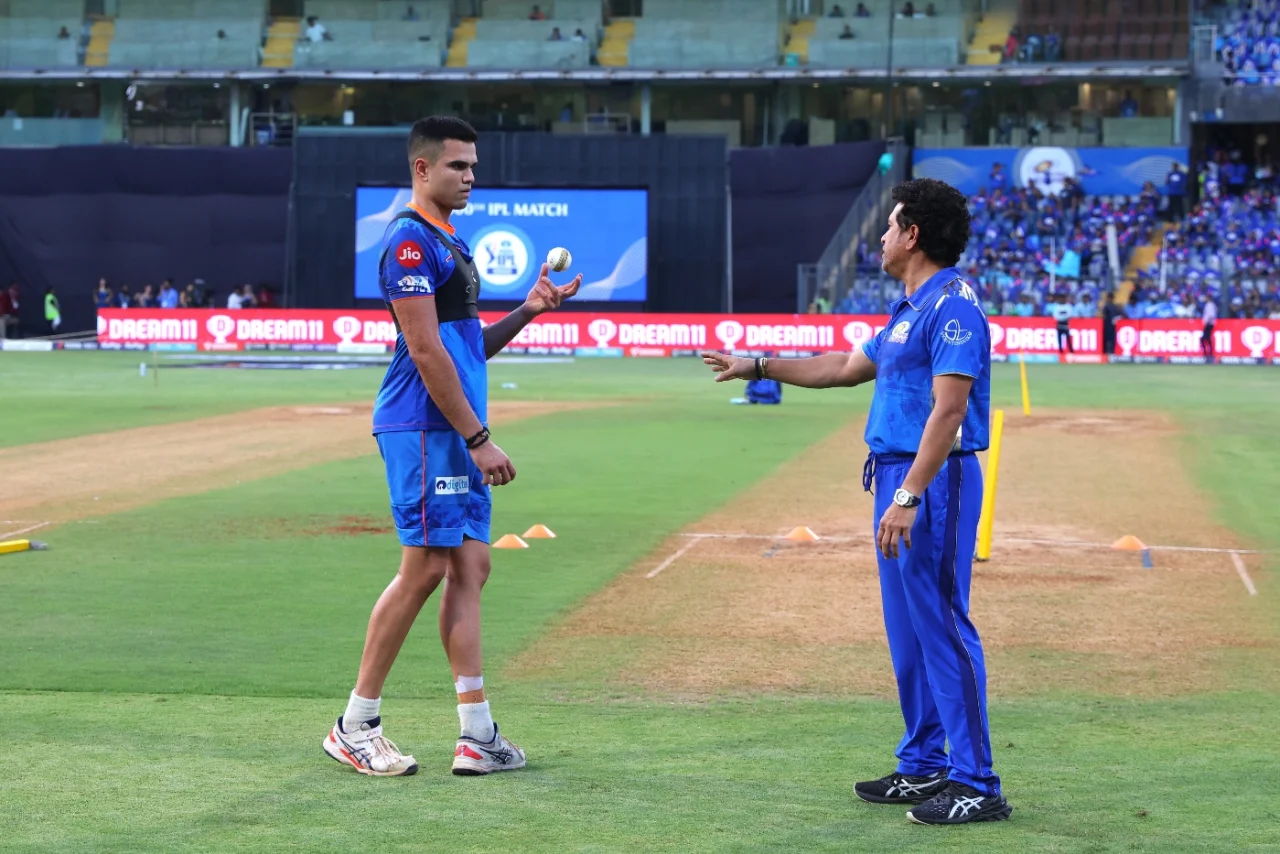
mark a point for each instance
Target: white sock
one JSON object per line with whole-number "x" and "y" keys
{"x": 359, "y": 710}
{"x": 476, "y": 721}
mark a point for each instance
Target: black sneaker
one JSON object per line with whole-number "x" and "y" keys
{"x": 901, "y": 788}
{"x": 960, "y": 804}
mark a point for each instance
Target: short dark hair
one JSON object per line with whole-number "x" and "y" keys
{"x": 942, "y": 214}
{"x": 428, "y": 135}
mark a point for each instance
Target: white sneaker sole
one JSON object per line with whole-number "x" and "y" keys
{"x": 465, "y": 766}
{"x": 335, "y": 751}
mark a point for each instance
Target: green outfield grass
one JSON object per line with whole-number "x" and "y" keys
{"x": 169, "y": 671}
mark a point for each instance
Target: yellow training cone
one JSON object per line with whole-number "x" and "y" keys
{"x": 1129, "y": 543}
{"x": 510, "y": 541}
{"x": 540, "y": 532}
{"x": 802, "y": 535}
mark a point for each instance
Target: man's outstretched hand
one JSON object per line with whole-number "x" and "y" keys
{"x": 728, "y": 367}
{"x": 546, "y": 296}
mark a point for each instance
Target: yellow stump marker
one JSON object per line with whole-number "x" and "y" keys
{"x": 11, "y": 546}
{"x": 989, "y": 490}
{"x": 1026, "y": 395}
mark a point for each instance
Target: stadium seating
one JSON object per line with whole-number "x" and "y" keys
{"x": 534, "y": 31}
{"x": 1249, "y": 45}
{"x": 1015, "y": 235}
{"x": 518, "y": 10}
{"x": 506, "y": 38}
{"x": 1223, "y": 242}
{"x": 529, "y": 54}
{"x": 1107, "y": 30}
{"x": 29, "y": 33}
{"x": 708, "y": 34}
{"x": 375, "y": 34}
{"x": 918, "y": 41}
{"x": 673, "y": 43}
{"x": 184, "y": 34}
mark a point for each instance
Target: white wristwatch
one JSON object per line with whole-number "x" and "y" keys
{"x": 903, "y": 498}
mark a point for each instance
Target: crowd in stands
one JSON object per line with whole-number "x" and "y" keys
{"x": 1033, "y": 252}
{"x": 194, "y": 295}
{"x": 1035, "y": 46}
{"x": 1249, "y": 44}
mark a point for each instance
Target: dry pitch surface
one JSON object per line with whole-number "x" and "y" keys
{"x": 761, "y": 614}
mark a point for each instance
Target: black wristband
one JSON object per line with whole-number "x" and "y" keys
{"x": 759, "y": 372}
{"x": 478, "y": 439}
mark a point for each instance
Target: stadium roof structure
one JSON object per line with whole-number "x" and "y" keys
{"x": 783, "y": 74}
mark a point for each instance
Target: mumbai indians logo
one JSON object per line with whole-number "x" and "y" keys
{"x": 899, "y": 333}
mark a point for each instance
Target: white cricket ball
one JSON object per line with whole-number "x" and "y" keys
{"x": 559, "y": 259}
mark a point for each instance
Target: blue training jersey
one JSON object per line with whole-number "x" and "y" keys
{"x": 416, "y": 264}
{"x": 940, "y": 329}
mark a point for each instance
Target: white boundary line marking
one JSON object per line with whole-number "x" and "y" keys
{"x": 1034, "y": 542}
{"x": 34, "y": 527}
{"x": 1243, "y": 573}
{"x": 697, "y": 537}
{"x": 679, "y": 552}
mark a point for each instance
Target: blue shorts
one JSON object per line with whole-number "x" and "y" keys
{"x": 438, "y": 496}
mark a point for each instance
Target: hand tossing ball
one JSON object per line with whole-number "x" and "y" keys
{"x": 559, "y": 259}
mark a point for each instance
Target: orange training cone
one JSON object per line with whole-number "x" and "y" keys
{"x": 802, "y": 535}
{"x": 510, "y": 541}
{"x": 540, "y": 532}
{"x": 1129, "y": 543}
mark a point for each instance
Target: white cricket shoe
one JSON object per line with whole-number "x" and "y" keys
{"x": 368, "y": 751}
{"x": 473, "y": 757}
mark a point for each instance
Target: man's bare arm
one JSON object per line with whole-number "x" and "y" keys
{"x": 498, "y": 335}
{"x": 831, "y": 370}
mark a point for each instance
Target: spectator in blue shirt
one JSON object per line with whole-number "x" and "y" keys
{"x": 999, "y": 180}
{"x": 1175, "y": 187}
{"x": 168, "y": 294}
{"x": 1128, "y": 107}
{"x": 103, "y": 298}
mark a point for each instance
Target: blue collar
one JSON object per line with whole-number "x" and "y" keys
{"x": 935, "y": 283}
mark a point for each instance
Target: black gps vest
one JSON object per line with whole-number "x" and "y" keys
{"x": 456, "y": 296}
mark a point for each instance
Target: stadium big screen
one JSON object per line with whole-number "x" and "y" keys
{"x": 511, "y": 230}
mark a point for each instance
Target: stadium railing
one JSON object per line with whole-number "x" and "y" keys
{"x": 837, "y": 270}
